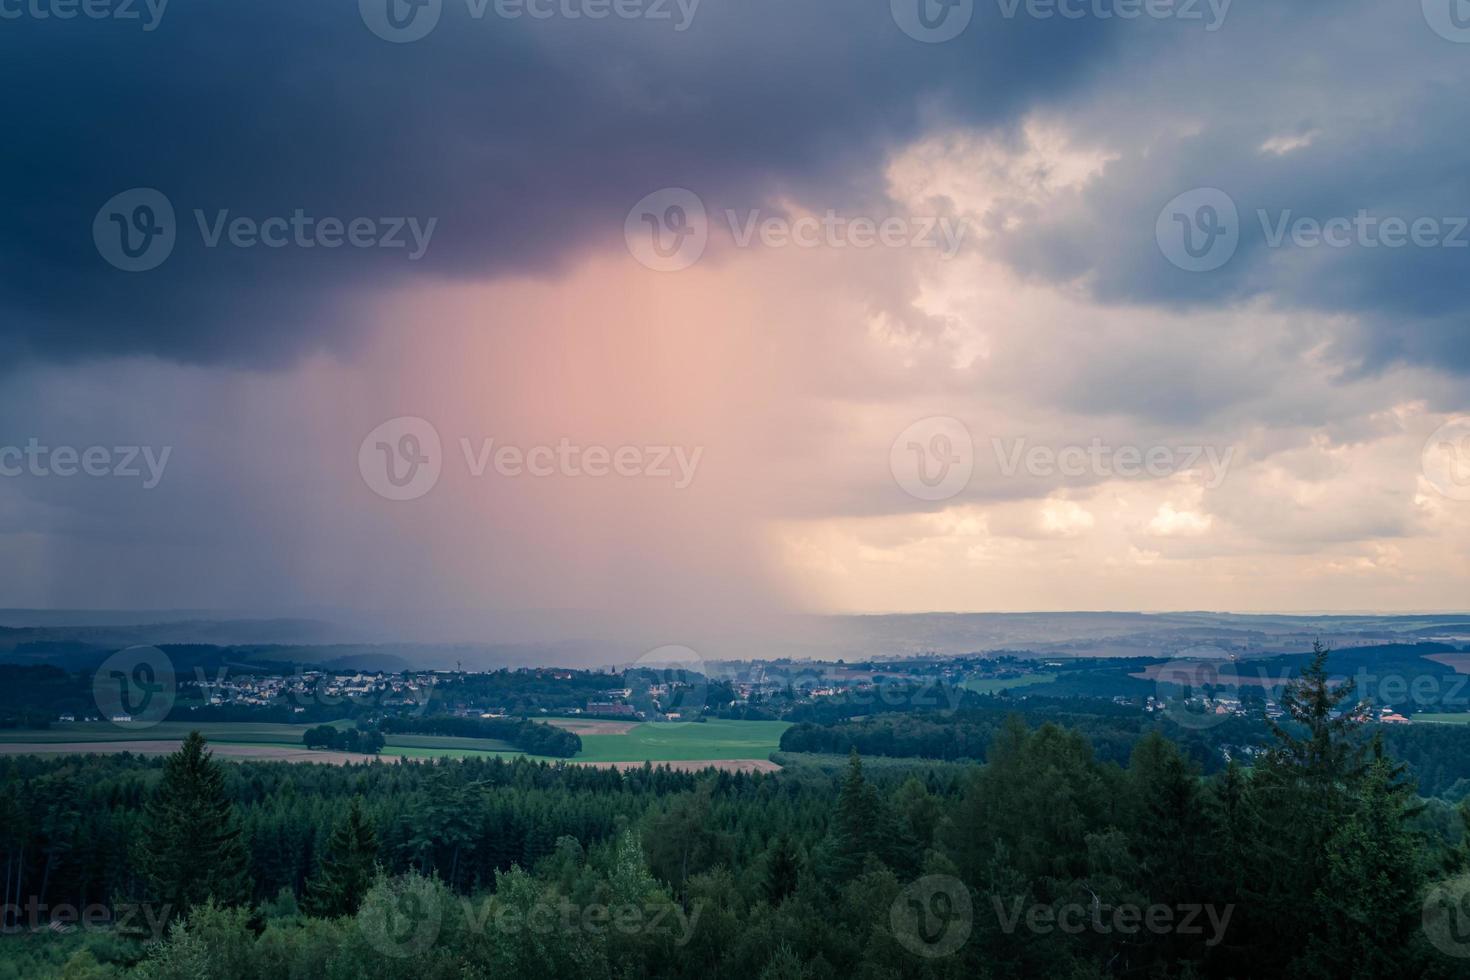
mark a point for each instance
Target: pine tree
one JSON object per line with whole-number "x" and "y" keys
{"x": 193, "y": 849}
{"x": 1318, "y": 768}
{"x": 348, "y": 868}
{"x": 857, "y": 825}
{"x": 1326, "y": 756}
{"x": 783, "y": 865}
{"x": 1304, "y": 789}
{"x": 1367, "y": 910}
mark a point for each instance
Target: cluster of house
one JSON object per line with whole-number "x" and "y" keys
{"x": 310, "y": 686}
{"x": 1218, "y": 706}
{"x": 1274, "y": 711}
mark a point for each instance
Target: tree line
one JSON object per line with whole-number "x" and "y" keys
{"x": 532, "y": 737}
{"x": 368, "y": 741}
{"x": 1438, "y": 755}
{"x": 1046, "y": 861}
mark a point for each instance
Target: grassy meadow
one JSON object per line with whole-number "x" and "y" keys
{"x": 713, "y": 740}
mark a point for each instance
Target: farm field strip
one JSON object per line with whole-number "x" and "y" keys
{"x": 692, "y": 742}
{"x": 989, "y": 685}
{"x": 104, "y": 731}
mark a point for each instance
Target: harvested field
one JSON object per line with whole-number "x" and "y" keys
{"x": 282, "y": 753}
{"x": 1458, "y": 662}
{"x": 694, "y": 765}
{"x": 279, "y": 753}
{"x": 1208, "y": 672}
{"x": 593, "y": 726}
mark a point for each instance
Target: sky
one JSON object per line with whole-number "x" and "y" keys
{"x": 706, "y": 312}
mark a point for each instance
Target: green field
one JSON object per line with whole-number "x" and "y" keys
{"x": 448, "y": 742}
{"x": 989, "y": 685}
{"x": 713, "y": 740}
{"x": 1445, "y": 719}
{"x": 248, "y": 733}
{"x": 671, "y": 742}
{"x": 834, "y": 765}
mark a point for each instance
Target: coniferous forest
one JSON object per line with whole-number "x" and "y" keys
{"x": 734, "y": 490}
{"x": 1318, "y": 861}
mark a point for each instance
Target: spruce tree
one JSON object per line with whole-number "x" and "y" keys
{"x": 192, "y": 849}
{"x": 1325, "y": 756}
{"x": 348, "y": 867}
{"x": 783, "y": 866}
{"x": 857, "y": 825}
{"x": 1368, "y": 910}
{"x": 1304, "y": 789}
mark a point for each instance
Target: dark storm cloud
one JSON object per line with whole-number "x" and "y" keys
{"x": 526, "y": 139}
{"x": 1314, "y": 114}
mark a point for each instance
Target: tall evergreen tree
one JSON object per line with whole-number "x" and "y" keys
{"x": 1368, "y": 909}
{"x": 1304, "y": 789}
{"x": 857, "y": 826}
{"x": 192, "y": 849}
{"x": 783, "y": 867}
{"x": 1325, "y": 756}
{"x": 348, "y": 868}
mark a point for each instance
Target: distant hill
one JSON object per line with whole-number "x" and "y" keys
{"x": 80, "y": 638}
